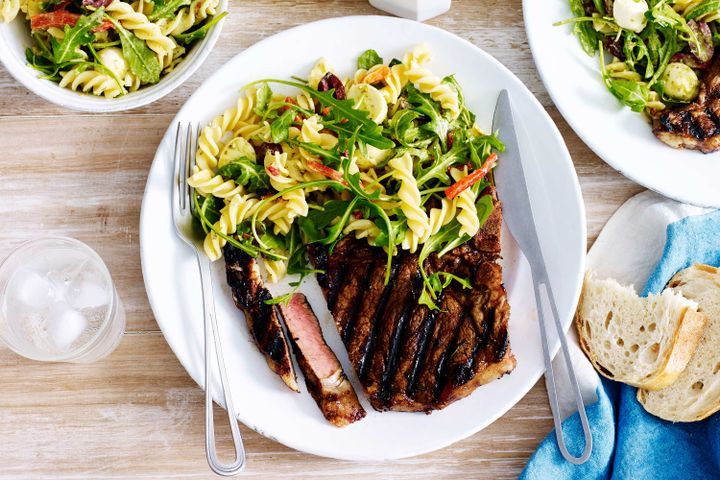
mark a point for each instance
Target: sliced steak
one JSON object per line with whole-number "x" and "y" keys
{"x": 481, "y": 351}
{"x": 323, "y": 373}
{"x": 407, "y": 357}
{"x": 400, "y": 305}
{"x": 416, "y": 337}
{"x": 249, "y": 294}
{"x": 426, "y": 387}
{"x": 360, "y": 338}
{"x": 697, "y": 125}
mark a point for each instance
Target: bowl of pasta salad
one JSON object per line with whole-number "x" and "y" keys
{"x": 106, "y": 55}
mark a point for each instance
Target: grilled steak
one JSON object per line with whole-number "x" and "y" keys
{"x": 697, "y": 125}
{"x": 408, "y": 357}
{"x": 249, "y": 295}
{"x": 324, "y": 375}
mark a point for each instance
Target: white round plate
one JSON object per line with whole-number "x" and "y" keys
{"x": 618, "y": 135}
{"x": 262, "y": 401}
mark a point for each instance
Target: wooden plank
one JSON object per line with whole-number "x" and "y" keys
{"x": 138, "y": 414}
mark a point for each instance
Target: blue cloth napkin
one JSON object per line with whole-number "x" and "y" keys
{"x": 628, "y": 442}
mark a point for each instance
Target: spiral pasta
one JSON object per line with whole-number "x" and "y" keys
{"x": 9, "y": 10}
{"x": 238, "y": 209}
{"x": 318, "y": 72}
{"x": 207, "y": 183}
{"x": 276, "y": 269}
{"x": 686, "y": 7}
{"x": 188, "y": 17}
{"x": 143, "y": 28}
{"x": 280, "y": 179}
{"x": 211, "y": 137}
{"x": 362, "y": 228}
{"x": 467, "y": 212}
{"x": 394, "y": 83}
{"x": 91, "y": 81}
{"x": 410, "y": 201}
{"x": 438, "y": 218}
{"x": 428, "y": 83}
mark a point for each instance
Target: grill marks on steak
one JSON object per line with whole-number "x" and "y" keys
{"x": 324, "y": 376}
{"x": 407, "y": 357}
{"x": 697, "y": 125}
{"x": 249, "y": 294}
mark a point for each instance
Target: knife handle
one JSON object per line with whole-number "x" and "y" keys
{"x": 544, "y": 298}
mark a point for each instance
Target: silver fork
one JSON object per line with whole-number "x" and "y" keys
{"x": 182, "y": 203}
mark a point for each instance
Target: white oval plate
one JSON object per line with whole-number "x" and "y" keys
{"x": 262, "y": 401}
{"x": 618, "y": 135}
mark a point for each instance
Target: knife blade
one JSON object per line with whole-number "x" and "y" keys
{"x": 511, "y": 185}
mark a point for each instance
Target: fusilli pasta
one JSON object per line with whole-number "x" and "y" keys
{"x": 410, "y": 201}
{"x": 88, "y": 80}
{"x": 467, "y": 212}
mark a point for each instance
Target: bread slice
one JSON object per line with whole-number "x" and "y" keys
{"x": 695, "y": 395}
{"x": 645, "y": 342}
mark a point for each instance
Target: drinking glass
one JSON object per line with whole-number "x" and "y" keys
{"x": 58, "y": 302}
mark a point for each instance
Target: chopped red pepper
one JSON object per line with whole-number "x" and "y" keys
{"x": 60, "y": 18}
{"x": 272, "y": 170}
{"x": 467, "y": 181}
{"x": 325, "y": 111}
{"x": 288, "y": 100}
{"x": 357, "y": 214}
{"x": 324, "y": 170}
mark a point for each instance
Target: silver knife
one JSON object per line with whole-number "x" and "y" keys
{"x": 511, "y": 185}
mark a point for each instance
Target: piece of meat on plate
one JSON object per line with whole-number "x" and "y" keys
{"x": 249, "y": 294}
{"x": 694, "y": 126}
{"x": 324, "y": 376}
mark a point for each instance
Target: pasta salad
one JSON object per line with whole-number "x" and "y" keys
{"x": 110, "y": 47}
{"x": 391, "y": 155}
{"x": 659, "y": 49}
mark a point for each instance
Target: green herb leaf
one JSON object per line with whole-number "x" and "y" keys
{"x": 188, "y": 38}
{"x": 262, "y": 99}
{"x": 143, "y": 62}
{"x": 436, "y": 123}
{"x": 279, "y": 129}
{"x": 66, "y": 50}
{"x": 167, "y": 9}
{"x": 246, "y": 172}
{"x": 394, "y": 62}
{"x": 313, "y": 225}
{"x": 368, "y": 59}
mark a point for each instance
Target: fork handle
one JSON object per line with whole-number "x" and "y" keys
{"x": 212, "y": 334}
{"x": 544, "y": 297}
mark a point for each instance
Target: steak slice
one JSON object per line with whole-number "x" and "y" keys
{"x": 400, "y": 305}
{"x": 249, "y": 294}
{"x": 324, "y": 375}
{"x": 695, "y": 126}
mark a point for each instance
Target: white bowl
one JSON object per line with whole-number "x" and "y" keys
{"x": 15, "y": 39}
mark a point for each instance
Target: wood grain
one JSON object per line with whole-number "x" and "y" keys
{"x": 137, "y": 413}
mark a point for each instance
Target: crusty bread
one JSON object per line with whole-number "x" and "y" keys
{"x": 645, "y": 342}
{"x": 695, "y": 395}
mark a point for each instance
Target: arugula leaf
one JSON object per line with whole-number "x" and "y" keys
{"x": 368, "y": 59}
{"x": 405, "y": 129}
{"x": 436, "y": 283}
{"x": 702, "y": 8}
{"x": 208, "y": 208}
{"x": 167, "y": 9}
{"x": 394, "y": 62}
{"x": 466, "y": 118}
{"x": 422, "y": 103}
{"x": 584, "y": 29}
{"x": 280, "y": 127}
{"x": 143, "y": 62}
{"x": 458, "y": 154}
{"x": 66, "y": 50}
{"x": 262, "y": 99}
{"x": 343, "y": 110}
{"x": 313, "y": 225}
{"x": 246, "y": 172}
{"x": 199, "y": 33}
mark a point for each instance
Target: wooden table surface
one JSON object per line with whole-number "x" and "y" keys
{"x": 137, "y": 413}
